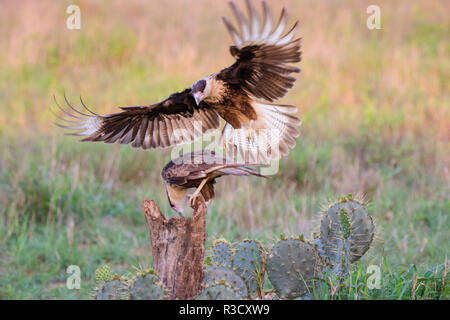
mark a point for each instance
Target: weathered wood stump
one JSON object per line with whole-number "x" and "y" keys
{"x": 178, "y": 248}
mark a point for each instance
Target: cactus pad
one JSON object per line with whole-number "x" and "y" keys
{"x": 222, "y": 254}
{"x": 146, "y": 286}
{"x": 115, "y": 289}
{"x": 291, "y": 266}
{"x": 103, "y": 274}
{"x": 346, "y": 221}
{"x": 249, "y": 264}
{"x": 215, "y": 274}
{"x": 219, "y": 291}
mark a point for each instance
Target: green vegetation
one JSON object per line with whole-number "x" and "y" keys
{"x": 375, "y": 112}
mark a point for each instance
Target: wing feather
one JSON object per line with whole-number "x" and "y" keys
{"x": 164, "y": 137}
{"x": 262, "y": 53}
{"x": 148, "y": 135}
{"x": 175, "y": 120}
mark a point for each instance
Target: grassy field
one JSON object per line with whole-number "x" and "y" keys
{"x": 376, "y": 121}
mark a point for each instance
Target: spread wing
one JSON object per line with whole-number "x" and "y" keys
{"x": 175, "y": 120}
{"x": 263, "y": 53}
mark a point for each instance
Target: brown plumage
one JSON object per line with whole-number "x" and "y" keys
{"x": 262, "y": 56}
{"x": 255, "y": 131}
{"x": 178, "y": 119}
{"x": 199, "y": 170}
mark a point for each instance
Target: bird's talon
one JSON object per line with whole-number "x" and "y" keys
{"x": 191, "y": 199}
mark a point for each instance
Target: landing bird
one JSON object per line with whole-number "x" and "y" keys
{"x": 198, "y": 170}
{"x": 241, "y": 95}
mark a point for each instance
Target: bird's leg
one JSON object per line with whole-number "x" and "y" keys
{"x": 197, "y": 191}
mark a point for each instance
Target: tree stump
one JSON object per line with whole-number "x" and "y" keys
{"x": 178, "y": 248}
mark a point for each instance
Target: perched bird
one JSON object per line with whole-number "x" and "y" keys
{"x": 198, "y": 170}
{"x": 242, "y": 95}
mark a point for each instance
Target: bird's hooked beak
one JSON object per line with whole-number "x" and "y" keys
{"x": 177, "y": 210}
{"x": 198, "y": 96}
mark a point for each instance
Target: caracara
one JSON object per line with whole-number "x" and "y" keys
{"x": 242, "y": 95}
{"x": 198, "y": 170}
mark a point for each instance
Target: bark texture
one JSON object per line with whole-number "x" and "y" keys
{"x": 178, "y": 248}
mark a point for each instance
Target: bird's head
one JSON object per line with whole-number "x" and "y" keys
{"x": 177, "y": 197}
{"x": 208, "y": 89}
{"x": 199, "y": 90}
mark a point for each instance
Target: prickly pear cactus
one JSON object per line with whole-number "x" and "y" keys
{"x": 222, "y": 253}
{"x": 249, "y": 264}
{"x": 220, "y": 291}
{"x": 114, "y": 289}
{"x": 146, "y": 286}
{"x": 291, "y": 266}
{"x": 346, "y": 233}
{"x": 215, "y": 274}
{"x": 103, "y": 274}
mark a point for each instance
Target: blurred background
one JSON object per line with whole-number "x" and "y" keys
{"x": 374, "y": 105}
